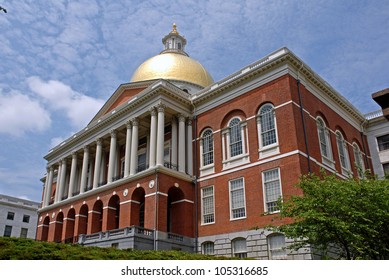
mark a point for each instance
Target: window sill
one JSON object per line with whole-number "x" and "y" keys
{"x": 269, "y": 151}
{"x": 207, "y": 170}
{"x": 207, "y": 224}
{"x": 329, "y": 162}
{"x": 236, "y": 161}
{"x": 237, "y": 219}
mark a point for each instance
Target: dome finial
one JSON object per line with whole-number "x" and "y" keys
{"x": 174, "y": 28}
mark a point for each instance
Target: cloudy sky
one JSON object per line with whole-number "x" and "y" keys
{"x": 60, "y": 60}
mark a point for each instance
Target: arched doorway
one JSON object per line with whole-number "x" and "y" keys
{"x": 175, "y": 210}
{"x": 58, "y": 227}
{"x": 113, "y": 213}
{"x": 83, "y": 220}
{"x": 45, "y": 229}
{"x": 69, "y": 230}
{"x": 97, "y": 217}
{"x": 138, "y": 207}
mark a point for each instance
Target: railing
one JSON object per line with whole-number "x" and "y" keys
{"x": 175, "y": 237}
{"x": 373, "y": 115}
{"x": 170, "y": 165}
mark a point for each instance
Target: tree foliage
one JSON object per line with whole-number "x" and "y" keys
{"x": 349, "y": 216}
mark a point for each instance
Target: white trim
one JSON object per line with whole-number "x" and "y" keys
{"x": 160, "y": 193}
{"x": 183, "y": 200}
{"x": 129, "y": 201}
{"x": 230, "y": 199}
{"x": 201, "y": 205}
{"x": 263, "y": 188}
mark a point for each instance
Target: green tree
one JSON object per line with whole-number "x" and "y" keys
{"x": 350, "y": 216}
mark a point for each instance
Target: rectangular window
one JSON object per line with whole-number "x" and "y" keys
{"x": 23, "y": 233}
{"x": 208, "y": 206}
{"x": 10, "y": 216}
{"x": 277, "y": 247}
{"x": 383, "y": 142}
{"x": 7, "y": 231}
{"x": 237, "y": 199}
{"x": 272, "y": 189}
{"x": 142, "y": 162}
{"x": 385, "y": 166}
{"x": 26, "y": 218}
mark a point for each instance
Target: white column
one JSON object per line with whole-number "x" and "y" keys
{"x": 84, "y": 172}
{"x": 62, "y": 179}
{"x": 56, "y": 198}
{"x": 181, "y": 143}
{"x": 96, "y": 176}
{"x": 190, "y": 148}
{"x": 91, "y": 174}
{"x": 134, "y": 147}
{"x": 112, "y": 156}
{"x": 73, "y": 171}
{"x": 45, "y": 188}
{"x": 153, "y": 137}
{"x": 243, "y": 133}
{"x": 174, "y": 141}
{"x": 127, "y": 155}
{"x": 49, "y": 185}
{"x": 160, "y": 134}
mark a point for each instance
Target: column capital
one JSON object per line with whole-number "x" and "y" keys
{"x": 189, "y": 121}
{"x": 128, "y": 124}
{"x": 161, "y": 107}
{"x": 74, "y": 154}
{"x": 63, "y": 160}
{"x": 113, "y": 133}
{"x": 135, "y": 121}
{"x": 99, "y": 141}
{"x": 86, "y": 148}
{"x": 181, "y": 117}
{"x": 153, "y": 111}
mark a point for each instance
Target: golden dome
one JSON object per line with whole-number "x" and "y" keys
{"x": 173, "y": 63}
{"x": 173, "y": 66}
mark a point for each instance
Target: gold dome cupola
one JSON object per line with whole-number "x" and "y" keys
{"x": 175, "y": 65}
{"x": 174, "y": 42}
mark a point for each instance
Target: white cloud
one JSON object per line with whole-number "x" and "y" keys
{"x": 78, "y": 108}
{"x": 20, "y": 113}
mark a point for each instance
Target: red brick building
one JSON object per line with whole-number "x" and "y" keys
{"x": 174, "y": 160}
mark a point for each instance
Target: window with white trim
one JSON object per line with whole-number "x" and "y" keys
{"x": 277, "y": 249}
{"x": 359, "y": 164}
{"x": 325, "y": 142}
{"x": 344, "y": 158}
{"x": 208, "y": 248}
{"x": 208, "y": 205}
{"x": 207, "y": 147}
{"x": 383, "y": 142}
{"x": 267, "y": 126}
{"x": 237, "y": 199}
{"x": 23, "y": 232}
{"x": 239, "y": 248}
{"x": 272, "y": 189}
{"x": 234, "y": 143}
{"x": 7, "y": 231}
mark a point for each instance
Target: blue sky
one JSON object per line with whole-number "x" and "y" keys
{"x": 61, "y": 60}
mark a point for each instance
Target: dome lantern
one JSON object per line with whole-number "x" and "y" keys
{"x": 175, "y": 65}
{"x": 174, "y": 41}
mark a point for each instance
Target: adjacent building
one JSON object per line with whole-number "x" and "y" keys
{"x": 18, "y": 217}
{"x": 174, "y": 160}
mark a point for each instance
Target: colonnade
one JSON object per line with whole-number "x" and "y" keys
{"x": 88, "y": 165}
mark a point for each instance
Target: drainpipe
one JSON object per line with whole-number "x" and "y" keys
{"x": 363, "y": 143}
{"x": 156, "y": 211}
{"x": 303, "y": 122}
{"x": 195, "y": 184}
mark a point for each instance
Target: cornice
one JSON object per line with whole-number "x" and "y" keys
{"x": 280, "y": 57}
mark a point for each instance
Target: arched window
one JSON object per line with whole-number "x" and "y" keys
{"x": 208, "y": 248}
{"x": 325, "y": 143}
{"x": 359, "y": 164}
{"x": 276, "y": 244}
{"x": 268, "y": 135}
{"x": 207, "y": 147}
{"x": 343, "y": 153}
{"x": 239, "y": 248}
{"x": 236, "y": 145}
